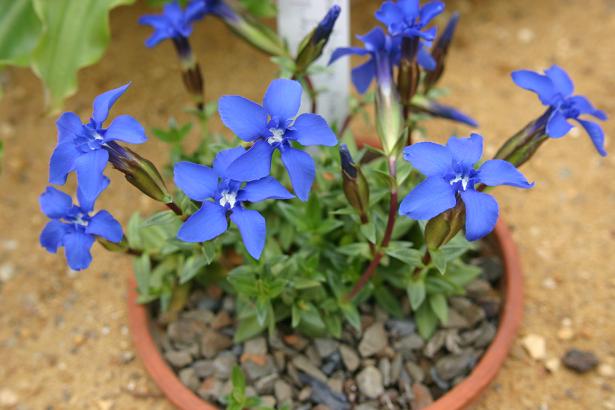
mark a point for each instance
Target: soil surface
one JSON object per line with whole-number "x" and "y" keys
{"x": 64, "y": 343}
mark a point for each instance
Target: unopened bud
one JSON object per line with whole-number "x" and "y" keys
{"x": 519, "y": 148}
{"x": 444, "y": 227}
{"x": 440, "y": 51}
{"x": 312, "y": 46}
{"x": 409, "y": 72}
{"x": 191, "y": 72}
{"x": 355, "y": 184}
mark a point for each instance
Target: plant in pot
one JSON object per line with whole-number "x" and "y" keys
{"x": 295, "y": 267}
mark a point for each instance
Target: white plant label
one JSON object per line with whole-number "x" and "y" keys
{"x": 296, "y": 18}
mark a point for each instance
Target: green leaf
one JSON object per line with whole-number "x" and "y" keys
{"x": 369, "y": 231}
{"x": 404, "y": 252}
{"x": 20, "y": 31}
{"x": 238, "y": 379}
{"x": 260, "y": 8}
{"x": 133, "y": 232}
{"x": 248, "y": 328}
{"x": 352, "y": 315}
{"x": 142, "y": 267}
{"x": 416, "y": 292}
{"x": 426, "y": 321}
{"x": 192, "y": 267}
{"x": 175, "y": 134}
{"x": 439, "y": 306}
{"x": 76, "y": 35}
{"x": 439, "y": 260}
{"x": 388, "y": 301}
{"x": 355, "y": 249}
{"x": 334, "y": 325}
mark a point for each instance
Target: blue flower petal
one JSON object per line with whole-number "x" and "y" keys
{"x": 104, "y": 102}
{"x": 54, "y": 203}
{"x": 252, "y": 228}
{"x": 430, "y": 10}
{"x": 245, "y": 118}
{"x": 561, "y": 80}
{"x": 345, "y": 51}
{"x": 450, "y": 113}
{"x": 312, "y": 129}
{"x": 584, "y": 106}
{"x": 428, "y": 199}
{"x": 127, "y": 129}
{"x": 52, "y": 235}
{"x": 374, "y": 40}
{"x": 90, "y": 169}
{"x": 265, "y": 188}
{"x": 301, "y": 170}
{"x": 205, "y": 224}
{"x": 499, "y": 172}
{"x": 596, "y": 134}
{"x": 466, "y": 151}
{"x": 363, "y": 75}
{"x": 69, "y": 125}
{"x": 62, "y": 162}
{"x": 557, "y": 126}
{"x": 157, "y": 37}
{"x": 198, "y": 182}
{"x": 425, "y": 59}
{"x": 409, "y": 8}
{"x": 225, "y": 158}
{"x": 537, "y": 83}
{"x": 87, "y": 203}
{"x": 105, "y": 225}
{"x": 283, "y": 99}
{"x": 77, "y": 247}
{"x": 254, "y": 164}
{"x": 481, "y": 214}
{"x": 390, "y": 13}
{"x": 195, "y": 10}
{"x": 429, "y": 158}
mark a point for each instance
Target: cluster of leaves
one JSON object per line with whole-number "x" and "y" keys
{"x": 239, "y": 400}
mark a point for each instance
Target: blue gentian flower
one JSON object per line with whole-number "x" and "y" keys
{"x": 450, "y": 173}
{"x": 72, "y": 227}
{"x": 444, "y": 111}
{"x": 555, "y": 90}
{"x": 384, "y": 52}
{"x": 406, "y": 18}
{"x": 271, "y": 127}
{"x": 221, "y": 196}
{"x": 174, "y": 23}
{"x": 218, "y": 8}
{"x": 82, "y": 147}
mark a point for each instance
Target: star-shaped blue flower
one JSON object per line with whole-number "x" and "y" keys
{"x": 83, "y": 147}
{"x": 406, "y": 18}
{"x": 450, "y": 173}
{"x": 72, "y": 227}
{"x": 175, "y": 23}
{"x": 555, "y": 90}
{"x": 221, "y": 196}
{"x": 271, "y": 127}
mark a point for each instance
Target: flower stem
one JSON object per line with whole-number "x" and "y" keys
{"x": 386, "y": 239}
{"x": 312, "y": 93}
{"x": 175, "y": 208}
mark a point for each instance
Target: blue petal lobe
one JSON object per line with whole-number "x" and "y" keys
{"x": 345, "y": 51}
{"x": 245, "y": 118}
{"x": 390, "y": 13}
{"x": 499, "y": 172}
{"x": 54, "y": 203}
{"x": 90, "y": 169}
{"x": 105, "y": 225}
{"x": 69, "y": 125}
{"x": 87, "y": 203}
{"x": 52, "y": 235}
{"x": 252, "y": 228}
{"x": 540, "y": 84}
{"x": 363, "y": 75}
{"x": 283, "y": 99}
{"x": 481, "y": 214}
{"x": 428, "y": 199}
{"x": 596, "y": 134}
{"x": 104, "y": 102}
{"x": 466, "y": 151}
{"x": 127, "y": 129}
{"x": 429, "y": 158}
{"x": 198, "y": 182}
{"x": 62, "y": 162}
{"x": 225, "y": 158}
{"x": 254, "y": 164}
{"x": 557, "y": 126}
{"x": 312, "y": 129}
{"x": 561, "y": 80}
{"x": 77, "y": 250}
{"x": 301, "y": 170}
{"x": 584, "y": 106}
{"x": 431, "y": 10}
{"x": 205, "y": 224}
{"x": 426, "y": 60}
{"x": 265, "y": 188}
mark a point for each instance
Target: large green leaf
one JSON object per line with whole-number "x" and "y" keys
{"x": 75, "y": 35}
{"x": 20, "y": 30}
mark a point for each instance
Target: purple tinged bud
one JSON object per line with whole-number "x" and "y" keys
{"x": 355, "y": 184}
{"x": 313, "y": 44}
{"x": 440, "y": 52}
{"x": 325, "y": 27}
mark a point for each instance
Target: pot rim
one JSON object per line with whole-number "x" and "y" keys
{"x": 459, "y": 397}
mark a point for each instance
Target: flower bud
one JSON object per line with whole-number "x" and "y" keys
{"x": 422, "y": 104}
{"x": 139, "y": 171}
{"x": 355, "y": 184}
{"x": 191, "y": 72}
{"x": 444, "y": 227}
{"x": 409, "y": 73}
{"x": 440, "y": 51}
{"x": 519, "y": 148}
{"x": 389, "y": 120}
{"x": 311, "y": 47}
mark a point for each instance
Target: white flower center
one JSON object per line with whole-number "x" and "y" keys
{"x": 277, "y": 136}
{"x": 98, "y": 137}
{"x": 80, "y": 221}
{"x": 461, "y": 178}
{"x": 229, "y": 198}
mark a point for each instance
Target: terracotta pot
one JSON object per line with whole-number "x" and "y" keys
{"x": 458, "y": 398}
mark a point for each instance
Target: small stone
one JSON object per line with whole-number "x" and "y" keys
{"x": 332, "y": 363}
{"x": 374, "y": 340}
{"x": 350, "y": 358}
{"x": 268, "y": 401}
{"x": 203, "y": 368}
{"x": 7, "y": 271}
{"x": 606, "y": 370}
{"x": 183, "y": 331}
{"x": 449, "y": 367}
{"x": 549, "y": 283}
{"x": 257, "y": 347}
{"x": 581, "y": 361}
{"x": 336, "y": 384}
{"x": 478, "y": 288}
{"x": 178, "y": 358}
{"x": 488, "y": 332}
{"x": 295, "y": 341}
{"x": 396, "y": 366}
{"x": 189, "y": 378}
{"x": 303, "y": 364}
{"x": 421, "y": 397}
{"x": 452, "y": 341}
{"x": 409, "y": 343}
{"x": 8, "y": 398}
{"x": 305, "y": 393}
{"x": 565, "y": 333}
{"x": 222, "y": 319}
{"x": 313, "y": 355}
{"x": 535, "y": 346}
{"x": 280, "y": 360}
{"x": 369, "y": 381}
{"x": 210, "y": 389}
{"x": 552, "y": 364}
{"x": 325, "y": 347}
{"x": 415, "y": 372}
{"x": 400, "y": 328}
{"x": 265, "y": 384}
{"x": 455, "y": 320}
{"x": 223, "y": 365}
{"x": 384, "y": 366}
{"x": 324, "y": 395}
{"x": 105, "y": 404}
{"x": 434, "y": 344}
{"x": 213, "y": 343}
{"x": 283, "y": 391}
{"x": 492, "y": 268}
{"x": 203, "y": 316}
{"x": 472, "y": 313}
{"x": 256, "y": 367}
{"x": 367, "y": 406}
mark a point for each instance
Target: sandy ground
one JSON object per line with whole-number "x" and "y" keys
{"x": 64, "y": 343}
